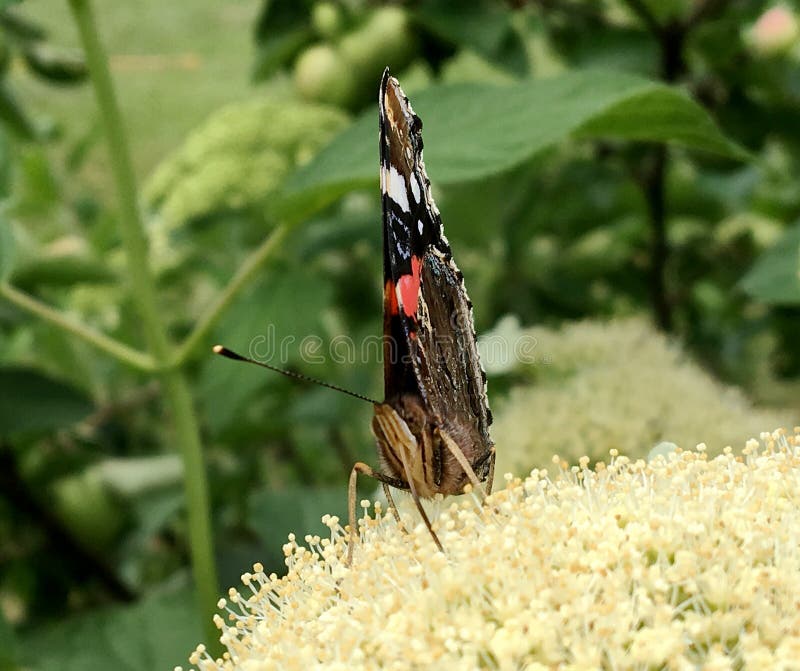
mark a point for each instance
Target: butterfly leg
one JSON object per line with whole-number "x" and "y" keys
{"x": 392, "y": 506}
{"x": 420, "y": 509}
{"x": 456, "y": 451}
{"x": 490, "y": 478}
{"x": 386, "y": 481}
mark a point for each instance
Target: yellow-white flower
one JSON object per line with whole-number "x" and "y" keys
{"x": 683, "y": 562}
{"x": 621, "y": 384}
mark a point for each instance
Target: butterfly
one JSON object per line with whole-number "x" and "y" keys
{"x": 432, "y": 429}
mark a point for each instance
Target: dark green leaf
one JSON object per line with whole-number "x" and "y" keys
{"x": 55, "y": 65}
{"x": 269, "y": 323}
{"x": 660, "y": 114}
{"x": 30, "y": 401}
{"x": 61, "y": 271}
{"x": 618, "y": 48}
{"x": 775, "y": 277}
{"x": 277, "y": 17}
{"x": 13, "y": 116}
{"x": 474, "y": 131}
{"x": 483, "y": 26}
{"x": 22, "y": 30}
{"x": 158, "y": 633}
{"x": 299, "y": 510}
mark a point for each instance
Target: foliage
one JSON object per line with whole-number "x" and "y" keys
{"x": 148, "y": 636}
{"x": 22, "y": 39}
{"x": 591, "y": 160}
{"x": 775, "y": 277}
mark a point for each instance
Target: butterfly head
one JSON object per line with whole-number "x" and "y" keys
{"x": 413, "y": 446}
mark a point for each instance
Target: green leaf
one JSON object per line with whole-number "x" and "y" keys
{"x": 775, "y": 276}
{"x": 7, "y": 247}
{"x": 61, "y": 271}
{"x": 21, "y": 30}
{"x": 269, "y": 322}
{"x": 273, "y": 515}
{"x": 158, "y": 633}
{"x": 59, "y": 66}
{"x": 615, "y": 48}
{"x": 484, "y": 26}
{"x": 13, "y": 116}
{"x": 278, "y": 18}
{"x": 30, "y": 401}
{"x": 475, "y": 131}
{"x": 661, "y": 114}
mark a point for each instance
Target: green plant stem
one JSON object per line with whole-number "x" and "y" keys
{"x": 654, "y": 188}
{"x": 246, "y": 271}
{"x": 176, "y": 388}
{"x": 671, "y": 37}
{"x": 127, "y": 355}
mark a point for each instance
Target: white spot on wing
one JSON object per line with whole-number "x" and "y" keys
{"x": 420, "y": 226}
{"x": 415, "y": 189}
{"x": 397, "y": 189}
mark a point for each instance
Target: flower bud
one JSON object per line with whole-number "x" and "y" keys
{"x": 775, "y": 32}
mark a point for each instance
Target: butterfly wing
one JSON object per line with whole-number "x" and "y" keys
{"x": 427, "y": 313}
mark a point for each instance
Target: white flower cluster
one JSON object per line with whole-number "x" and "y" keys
{"x": 683, "y": 562}
{"x": 619, "y": 384}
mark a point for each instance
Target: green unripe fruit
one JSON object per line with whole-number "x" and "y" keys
{"x": 326, "y": 19}
{"x": 383, "y": 40}
{"x": 321, "y": 74}
{"x": 87, "y": 508}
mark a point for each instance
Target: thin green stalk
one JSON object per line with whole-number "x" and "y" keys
{"x": 246, "y": 271}
{"x": 176, "y": 389}
{"x": 127, "y": 355}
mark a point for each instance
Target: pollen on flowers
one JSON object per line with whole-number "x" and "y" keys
{"x": 685, "y": 561}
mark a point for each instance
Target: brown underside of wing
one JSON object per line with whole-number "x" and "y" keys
{"x": 455, "y": 385}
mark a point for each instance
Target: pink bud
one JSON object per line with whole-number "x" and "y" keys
{"x": 775, "y": 31}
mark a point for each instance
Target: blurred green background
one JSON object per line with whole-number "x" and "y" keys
{"x": 618, "y": 179}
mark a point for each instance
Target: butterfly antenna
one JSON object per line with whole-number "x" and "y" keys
{"x": 230, "y": 354}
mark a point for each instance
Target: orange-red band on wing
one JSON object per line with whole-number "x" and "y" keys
{"x": 409, "y": 288}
